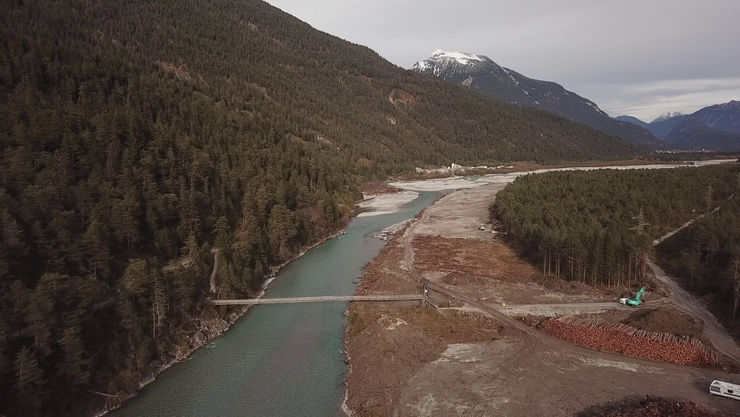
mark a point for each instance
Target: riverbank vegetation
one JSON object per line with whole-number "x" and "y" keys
{"x": 596, "y": 227}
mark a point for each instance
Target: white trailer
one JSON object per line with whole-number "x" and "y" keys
{"x": 725, "y": 389}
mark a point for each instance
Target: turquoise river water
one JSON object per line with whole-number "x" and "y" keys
{"x": 283, "y": 359}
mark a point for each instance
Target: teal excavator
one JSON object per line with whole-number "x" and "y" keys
{"x": 634, "y": 301}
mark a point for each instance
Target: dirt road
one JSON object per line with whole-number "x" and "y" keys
{"x": 685, "y": 302}
{"x": 519, "y": 372}
{"x": 556, "y": 310}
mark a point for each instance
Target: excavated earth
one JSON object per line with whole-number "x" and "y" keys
{"x": 470, "y": 358}
{"x": 650, "y": 407}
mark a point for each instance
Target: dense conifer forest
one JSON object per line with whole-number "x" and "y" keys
{"x": 586, "y": 226}
{"x": 146, "y": 144}
{"x": 706, "y": 257}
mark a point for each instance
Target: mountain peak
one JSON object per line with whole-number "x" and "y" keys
{"x": 440, "y": 59}
{"x": 461, "y": 57}
{"x": 667, "y": 116}
{"x": 480, "y": 73}
{"x": 730, "y": 105}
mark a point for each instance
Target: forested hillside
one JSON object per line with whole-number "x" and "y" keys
{"x": 585, "y": 226}
{"x": 144, "y": 144}
{"x": 254, "y": 58}
{"x": 117, "y": 179}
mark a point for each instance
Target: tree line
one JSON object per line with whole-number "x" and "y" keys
{"x": 596, "y": 227}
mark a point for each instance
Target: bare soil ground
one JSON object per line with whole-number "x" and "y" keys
{"x": 650, "y": 408}
{"x": 665, "y": 319}
{"x": 489, "y": 270}
{"x": 469, "y": 261}
{"x": 387, "y": 347}
{"x": 477, "y": 361}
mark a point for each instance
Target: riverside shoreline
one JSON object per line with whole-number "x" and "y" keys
{"x": 210, "y": 329}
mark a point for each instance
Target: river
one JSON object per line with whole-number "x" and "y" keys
{"x": 288, "y": 359}
{"x": 284, "y": 359}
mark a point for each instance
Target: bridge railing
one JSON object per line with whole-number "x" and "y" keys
{"x": 318, "y": 299}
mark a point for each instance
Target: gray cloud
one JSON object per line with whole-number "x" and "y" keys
{"x": 632, "y": 57}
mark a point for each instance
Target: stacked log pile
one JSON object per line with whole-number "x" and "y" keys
{"x": 620, "y": 338}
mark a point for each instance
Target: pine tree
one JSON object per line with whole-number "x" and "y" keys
{"x": 136, "y": 277}
{"x": 29, "y": 384}
{"x": 75, "y": 363}
{"x": 98, "y": 252}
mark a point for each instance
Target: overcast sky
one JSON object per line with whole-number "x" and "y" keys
{"x": 641, "y": 58}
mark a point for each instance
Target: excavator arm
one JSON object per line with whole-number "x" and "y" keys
{"x": 639, "y": 298}
{"x": 637, "y": 301}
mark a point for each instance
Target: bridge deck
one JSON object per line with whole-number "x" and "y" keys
{"x": 325, "y": 298}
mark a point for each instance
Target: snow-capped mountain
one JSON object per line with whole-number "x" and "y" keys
{"x": 668, "y": 116}
{"x": 444, "y": 59}
{"x": 662, "y": 126}
{"x": 480, "y": 73}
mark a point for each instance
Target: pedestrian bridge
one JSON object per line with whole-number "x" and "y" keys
{"x": 319, "y": 299}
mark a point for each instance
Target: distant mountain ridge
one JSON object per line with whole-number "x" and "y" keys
{"x": 724, "y": 117}
{"x": 714, "y": 127}
{"x": 633, "y": 120}
{"x": 480, "y": 73}
{"x": 693, "y": 134}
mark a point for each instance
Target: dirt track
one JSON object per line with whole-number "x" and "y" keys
{"x": 685, "y": 302}
{"x": 517, "y": 372}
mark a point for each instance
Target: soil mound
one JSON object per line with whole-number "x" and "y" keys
{"x": 664, "y": 320}
{"x": 459, "y": 278}
{"x": 554, "y": 283}
{"x": 649, "y": 408}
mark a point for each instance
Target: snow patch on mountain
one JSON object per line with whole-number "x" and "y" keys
{"x": 441, "y": 60}
{"x": 422, "y": 65}
{"x": 460, "y": 57}
{"x": 667, "y": 116}
{"x": 595, "y": 107}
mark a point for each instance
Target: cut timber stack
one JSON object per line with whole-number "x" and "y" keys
{"x": 620, "y": 338}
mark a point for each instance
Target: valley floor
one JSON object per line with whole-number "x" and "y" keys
{"x": 470, "y": 357}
